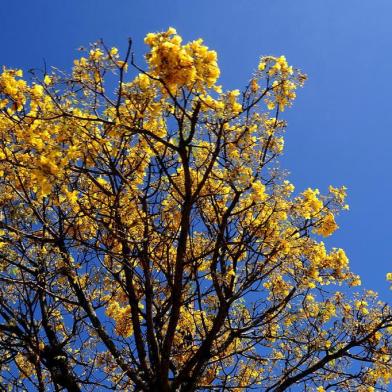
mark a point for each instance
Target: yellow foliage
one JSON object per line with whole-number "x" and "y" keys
{"x": 150, "y": 229}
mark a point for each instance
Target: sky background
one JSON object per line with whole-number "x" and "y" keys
{"x": 340, "y": 127}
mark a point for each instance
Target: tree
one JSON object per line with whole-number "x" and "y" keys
{"x": 150, "y": 242}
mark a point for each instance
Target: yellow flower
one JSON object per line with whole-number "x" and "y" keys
{"x": 327, "y": 226}
{"x": 47, "y": 80}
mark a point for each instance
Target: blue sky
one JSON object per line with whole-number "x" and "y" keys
{"x": 340, "y": 128}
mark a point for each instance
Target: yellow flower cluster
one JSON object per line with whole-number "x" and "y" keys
{"x": 310, "y": 205}
{"x": 249, "y": 374}
{"x": 283, "y": 86}
{"x": 362, "y": 306}
{"x": 233, "y": 106}
{"x": 327, "y": 226}
{"x": 258, "y": 193}
{"x": 181, "y": 65}
{"x": 278, "y": 287}
{"x": 284, "y": 93}
{"x": 338, "y": 193}
{"x": 12, "y": 87}
{"x": 122, "y": 317}
{"x": 25, "y": 366}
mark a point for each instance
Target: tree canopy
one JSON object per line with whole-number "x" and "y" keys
{"x": 149, "y": 240}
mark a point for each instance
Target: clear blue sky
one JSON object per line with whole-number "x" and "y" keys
{"x": 340, "y": 128}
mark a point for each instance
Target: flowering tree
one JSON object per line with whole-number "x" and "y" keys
{"x": 149, "y": 241}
